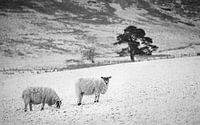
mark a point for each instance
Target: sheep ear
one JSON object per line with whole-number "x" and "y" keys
{"x": 102, "y": 77}
{"x": 110, "y": 77}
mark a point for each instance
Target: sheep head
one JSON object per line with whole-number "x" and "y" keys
{"x": 58, "y": 103}
{"x": 106, "y": 79}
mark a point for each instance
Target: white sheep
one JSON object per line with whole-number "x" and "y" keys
{"x": 90, "y": 86}
{"x": 38, "y": 95}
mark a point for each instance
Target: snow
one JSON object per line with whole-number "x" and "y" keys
{"x": 151, "y": 92}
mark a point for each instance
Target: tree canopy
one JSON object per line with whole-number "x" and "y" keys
{"x": 137, "y": 41}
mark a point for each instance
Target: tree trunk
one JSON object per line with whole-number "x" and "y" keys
{"x": 132, "y": 55}
{"x": 132, "y": 47}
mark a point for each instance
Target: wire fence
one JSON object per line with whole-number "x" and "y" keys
{"x": 98, "y": 62}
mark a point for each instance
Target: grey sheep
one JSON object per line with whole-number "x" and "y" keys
{"x": 38, "y": 95}
{"x": 90, "y": 86}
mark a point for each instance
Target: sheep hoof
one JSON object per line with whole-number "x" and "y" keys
{"x": 79, "y": 104}
{"x": 25, "y": 110}
{"x": 42, "y": 109}
{"x": 95, "y": 101}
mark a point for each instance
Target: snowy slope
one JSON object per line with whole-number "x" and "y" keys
{"x": 152, "y": 92}
{"x": 51, "y": 34}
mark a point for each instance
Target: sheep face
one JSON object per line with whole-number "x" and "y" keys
{"x": 106, "y": 79}
{"x": 58, "y": 103}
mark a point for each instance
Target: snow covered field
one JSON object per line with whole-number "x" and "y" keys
{"x": 162, "y": 92}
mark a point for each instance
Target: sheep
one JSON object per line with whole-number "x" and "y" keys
{"x": 90, "y": 86}
{"x": 38, "y": 95}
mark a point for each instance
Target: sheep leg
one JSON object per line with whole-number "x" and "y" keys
{"x": 26, "y": 102}
{"x": 25, "y": 109}
{"x": 42, "y": 108}
{"x": 43, "y": 102}
{"x": 96, "y": 98}
{"x": 80, "y": 96}
{"x": 30, "y": 106}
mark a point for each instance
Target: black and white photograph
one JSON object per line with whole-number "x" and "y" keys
{"x": 99, "y": 62}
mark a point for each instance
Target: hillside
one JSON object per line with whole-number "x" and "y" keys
{"x": 55, "y": 33}
{"x": 40, "y": 37}
{"x": 158, "y": 92}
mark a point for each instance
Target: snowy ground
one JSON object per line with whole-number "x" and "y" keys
{"x": 152, "y": 92}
